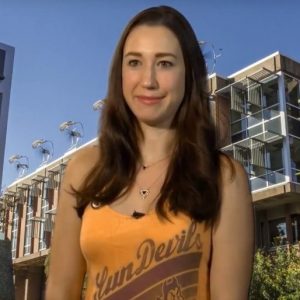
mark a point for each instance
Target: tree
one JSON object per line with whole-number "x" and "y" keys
{"x": 276, "y": 275}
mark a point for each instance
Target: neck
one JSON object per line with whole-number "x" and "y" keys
{"x": 157, "y": 143}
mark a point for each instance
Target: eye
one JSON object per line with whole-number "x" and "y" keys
{"x": 165, "y": 64}
{"x": 133, "y": 62}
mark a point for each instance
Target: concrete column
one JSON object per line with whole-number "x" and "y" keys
{"x": 20, "y": 283}
{"x": 284, "y": 124}
{"x": 35, "y": 282}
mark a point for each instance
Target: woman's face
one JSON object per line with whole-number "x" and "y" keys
{"x": 153, "y": 75}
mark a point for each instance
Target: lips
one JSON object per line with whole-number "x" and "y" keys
{"x": 149, "y": 99}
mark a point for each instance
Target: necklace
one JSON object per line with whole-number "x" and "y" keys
{"x": 144, "y": 192}
{"x": 137, "y": 214}
{"x": 146, "y": 166}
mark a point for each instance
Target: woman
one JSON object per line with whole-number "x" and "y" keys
{"x": 156, "y": 211}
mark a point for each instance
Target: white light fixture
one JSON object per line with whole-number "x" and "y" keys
{"x": 45, "y": 148}
{"x": 21, "y": 162}
{"x": 74, "y": 131}
{"x": 34, "y": 189}
{"x": 99, "y": 104}
{"x": 210, "y": 55}
{"x": 51, "y": 182}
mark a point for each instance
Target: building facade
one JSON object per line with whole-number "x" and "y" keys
{"x": 257, "y": 113}
{"x": 6, "y": 69}
{"x": 27, "y": 211}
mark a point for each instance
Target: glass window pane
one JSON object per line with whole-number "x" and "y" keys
{"x": 255, "y": 118}
{"x": 258, "y": 183}
{"x": 293, "y": 111}
{"x": 254, "y": 94}
{"x": 236, "y": 127}
{"x": 275, "y": 154}
{"x": 296, "y": 228}
{"x": 235, "y": 115}
{"x": 278, "y": 232}
{"x": 255, "y": 130}
{"x": 294, "y": 126}
{"x": 274, "y": 125}
{"x": 239, "y": 136}
{"x": 2, "y": 60}
{"x": 270, "y": 92}
{"x": 295, "y": 158}
{"x": 292, "y": 91}
{"x": 271, "y": 112}
{"x": 238, "y": 99}
{"x": 257, "y": 171}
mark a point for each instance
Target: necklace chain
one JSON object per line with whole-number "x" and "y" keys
{"x": 145, "y": 192}
{"x": 145, "y": 166}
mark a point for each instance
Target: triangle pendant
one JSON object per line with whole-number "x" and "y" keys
{"x": 144, "y": 193}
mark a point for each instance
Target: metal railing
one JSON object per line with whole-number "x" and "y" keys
{"x": 268, "y": 179}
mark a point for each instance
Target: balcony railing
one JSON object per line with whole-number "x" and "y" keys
{"x": 268, "y": 179}
{"x": 295, "y": 175}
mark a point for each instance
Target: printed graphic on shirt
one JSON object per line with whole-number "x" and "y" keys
{"x": 165, "y": 271}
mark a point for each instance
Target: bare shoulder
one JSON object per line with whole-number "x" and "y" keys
{"x": 233, "y": 175}
{"x": 233, "y": 235}
{"x": 235, "y": 190}
{"x": 86, "y": 157}
{"x": 80, "y": 164}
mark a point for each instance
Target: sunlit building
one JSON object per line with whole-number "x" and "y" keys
{"x": 257, "y": 113}
{"x": 28, "y": 210}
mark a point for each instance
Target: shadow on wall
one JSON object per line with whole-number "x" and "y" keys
{"x": 7, "y": 291}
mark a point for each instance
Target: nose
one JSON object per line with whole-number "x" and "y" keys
{"x": 149, "y": 79}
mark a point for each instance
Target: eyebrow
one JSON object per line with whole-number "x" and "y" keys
{"x": 158, "y": 55}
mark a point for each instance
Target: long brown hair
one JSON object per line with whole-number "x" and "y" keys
{"x": 192, "y": 180}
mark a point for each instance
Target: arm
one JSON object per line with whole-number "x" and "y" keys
{"x": 233, "y": 238}
{"x": 67, "y": 265}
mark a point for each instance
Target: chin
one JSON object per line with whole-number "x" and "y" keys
{"x": 158, "y": 123}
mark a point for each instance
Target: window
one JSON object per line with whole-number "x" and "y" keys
{"x": 272, "y": 111}
{"x": 278, "y": 232}
{"x": 236, "y": 127}
{"x": 28, "y": 225}
{"x": 262, "y": 235}
{"x": 274, "y": 125}
{"x": 2, "y": 61}
{"x": 235, "y": 115}
{"x": 294, "y": 126}
{"x": 254, "y": 95}
{"x": 239, "y": 136}
{"x": 255, "y": 118}
{"x": 274, "y": 154}
{"x": 44, "y": 237}
{"x": 242, "y": 155}
{"x": 296, "y": 228}
{"x": 295, "y": 158}
{"x": 270, "y": 92}
{"x": 292, "y": 93}
{"x": 293, "y": 111}
{"x": 0, "y": 103}
{"x": 238, "y": 99}
{"x": 14, "y": 232}
{"x": 256, "y": 130}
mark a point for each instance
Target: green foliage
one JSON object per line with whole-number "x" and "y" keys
{"x": 276, "y": 275}
{"x": 46, "y": 265}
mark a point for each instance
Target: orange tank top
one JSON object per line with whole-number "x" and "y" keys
{"x": 146, "y": 258}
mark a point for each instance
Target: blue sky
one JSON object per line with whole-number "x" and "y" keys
{"x": 63, "y": 51}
